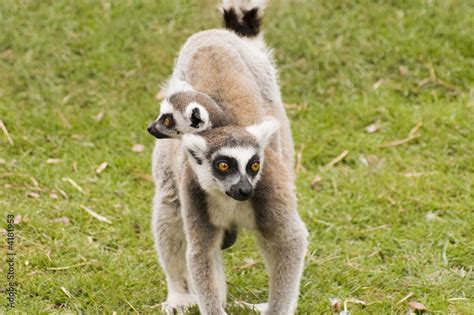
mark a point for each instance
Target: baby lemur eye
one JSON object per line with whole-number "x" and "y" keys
{"x": 167, "y": 122}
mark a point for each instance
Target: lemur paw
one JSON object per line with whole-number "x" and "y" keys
{"x": 261, "y": 308}
{"x": 179, "y": 303}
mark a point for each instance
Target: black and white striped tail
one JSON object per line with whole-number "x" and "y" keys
{"x": 243, "y": 16}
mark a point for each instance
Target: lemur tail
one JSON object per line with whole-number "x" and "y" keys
{"x": 243, "y": 16}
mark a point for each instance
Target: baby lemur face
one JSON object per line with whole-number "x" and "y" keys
{"x": 181, "y": 113}
{"x": 229, "y": 160}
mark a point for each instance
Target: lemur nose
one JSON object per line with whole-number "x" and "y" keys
{"x": 245, "y": 191}
{"x": 155, "y": 132}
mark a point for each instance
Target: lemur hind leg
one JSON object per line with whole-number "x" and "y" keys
{"x": 170, "y": 243}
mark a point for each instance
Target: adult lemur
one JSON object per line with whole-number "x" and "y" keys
{"x": 228, "y": 165}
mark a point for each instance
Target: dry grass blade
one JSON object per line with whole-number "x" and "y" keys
{"x": 33, "y": 180}
{"x": 53, "y": 161}
{"x": 19, "y": 219}
{"x": 403, "y": 70}
{"x": 99, "y": 116}
{"x": 68, "y": 294}
{"x": 64, "y": 120}
{"x": 69, "y": 267}
{"x": 96, "y": 215}
{"x": 337, "y": 159}
{"x": 414, "y": 130}
{"x": 101, "y": 167}
{"x": 143, "y": 176}
{"x": 355, "y": 301}
{"x": 440, "y": 82}
{"x": 378, "y": 84}
{"x": 249, "y": 263}
{"x": 73, "y": 183}
{"x": 334, "y": 161}
{"x": 299, "y": 160}
{"x": 33, "y": 194}
{"x": 409, "y": 295}
{"x": 444, "y": 256}
{"x": 411, "y": 136}
{"x": 138, "y": 148}
{"x": 63, "y": 193}
{"x": 5, "y": 132}
{"x": 130, "y": 304}
{"x": 373, "y": 127}
{"x": 63, "y": 220}
{"x": 413, "y": 174}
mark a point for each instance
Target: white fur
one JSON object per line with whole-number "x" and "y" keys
{"x": 195, "y": 143}
{"x": 166, "y": 107}
{"x": 241, "y": 154}
{"x": 183, "y": 120}
{"x": 225, "y": 211}
{"x": 243, "y": 5}
{"x": 204, "y": 117}
{"x": 264, "y": 130}
{"x": 176, "y": 85}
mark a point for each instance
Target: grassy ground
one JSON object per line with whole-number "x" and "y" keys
{"x": 385, "y": 222}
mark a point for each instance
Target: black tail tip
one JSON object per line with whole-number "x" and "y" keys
{"x": 245, "y": 23}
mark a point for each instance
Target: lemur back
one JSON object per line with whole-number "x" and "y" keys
{"x": 236, "y": 72}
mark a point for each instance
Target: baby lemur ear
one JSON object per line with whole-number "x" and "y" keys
{"x": 263, "y": 131}
{"x": 197, "y": 115}
{"x": 195, "y": 146}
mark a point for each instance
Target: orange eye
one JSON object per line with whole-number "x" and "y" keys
{"x": 223, "y": 166}
{"x": 255, "y": 167}
{"x": 167, "y": 122}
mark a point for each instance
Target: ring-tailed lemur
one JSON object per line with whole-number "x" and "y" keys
{"x": 235, "y": 170}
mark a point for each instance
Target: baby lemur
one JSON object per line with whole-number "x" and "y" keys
{"x": 227, "y": 165}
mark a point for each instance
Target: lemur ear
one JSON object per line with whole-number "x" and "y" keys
{"x": 264, "y": 130}
{"x": 196, "y": 146}
{"x": 198, "y": 115}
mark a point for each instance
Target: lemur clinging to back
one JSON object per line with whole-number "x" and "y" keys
{"x": 186, "y": 111}
{"x": 228, "y": 165}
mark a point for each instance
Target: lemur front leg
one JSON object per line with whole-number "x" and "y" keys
{"x": 204, "y": 248}
{"x": 282, "y": 237}
{"x": 284, "y": 260}
{"x": 170, "y": 244}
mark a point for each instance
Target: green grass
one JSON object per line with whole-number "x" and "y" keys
{"x": 376, "y": 233}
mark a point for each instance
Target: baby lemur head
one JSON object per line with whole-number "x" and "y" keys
{"x": 230, "y": 159}
{"x": 183, "y": 112}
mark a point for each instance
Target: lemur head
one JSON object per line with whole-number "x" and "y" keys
{"x": 183, "y": 112}
{"x": 230, "y": 159}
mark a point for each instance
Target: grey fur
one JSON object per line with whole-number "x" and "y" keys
{"x": 191, "y": 212}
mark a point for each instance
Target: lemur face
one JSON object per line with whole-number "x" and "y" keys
{"x": 180, "y": 114}
{"x": 230, "y": 159}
